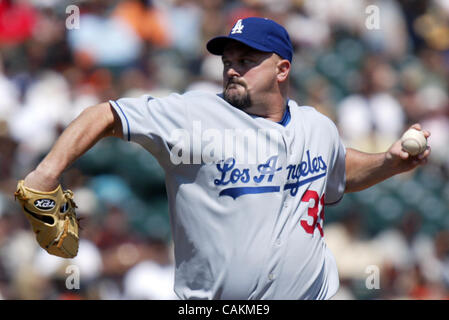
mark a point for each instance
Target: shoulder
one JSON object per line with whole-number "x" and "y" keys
{"x": 207, "y": 103}
{"x": 186, "y": 96}
{"x": 196, "y": 99}
{"x": 311, "y": 116}
{"x": 186, "y": 101}
{"x": 200, "y": 95}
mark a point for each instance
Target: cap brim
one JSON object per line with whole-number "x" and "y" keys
{"x": 217, "y": 45}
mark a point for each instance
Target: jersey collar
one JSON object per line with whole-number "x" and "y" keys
{"x": 285, "y": 118}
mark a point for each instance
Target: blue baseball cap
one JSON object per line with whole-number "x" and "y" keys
{"x": 258, "y": 33}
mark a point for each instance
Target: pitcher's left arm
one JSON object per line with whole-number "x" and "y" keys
{"x": 364, "y": 170}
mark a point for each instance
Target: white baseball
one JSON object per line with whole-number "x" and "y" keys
{"x": 414, "y": 142}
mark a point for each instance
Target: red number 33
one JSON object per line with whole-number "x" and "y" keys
{"x": 313, "y": 212}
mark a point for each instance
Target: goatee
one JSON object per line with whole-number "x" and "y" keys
{"x": 240, "y": 101}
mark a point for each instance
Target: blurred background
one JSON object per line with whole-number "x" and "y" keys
{"x": 374, "y": 78}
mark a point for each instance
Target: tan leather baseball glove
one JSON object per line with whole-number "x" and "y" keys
{"x": 52, "y": 218}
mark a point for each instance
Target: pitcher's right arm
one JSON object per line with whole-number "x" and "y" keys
{"x": 93, "y": 124}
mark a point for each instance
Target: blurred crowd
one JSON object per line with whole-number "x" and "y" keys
{"x": 373, "y": 66}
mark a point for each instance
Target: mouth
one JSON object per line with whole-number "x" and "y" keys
{"x": 235, "y": 87}
{"x": 234, "y": 84}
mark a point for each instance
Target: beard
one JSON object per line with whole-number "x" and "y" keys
{"x": 237, "y": 99}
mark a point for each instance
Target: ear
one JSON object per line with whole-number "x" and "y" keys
{"x": 283, "y": 70}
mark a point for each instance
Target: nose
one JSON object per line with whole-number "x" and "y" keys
{"x": 231, "y": 72}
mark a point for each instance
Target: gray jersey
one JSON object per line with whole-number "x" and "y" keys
{"x": 243, "y": 230}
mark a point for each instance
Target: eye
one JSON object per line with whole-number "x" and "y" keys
{"x": 226, "y": 63}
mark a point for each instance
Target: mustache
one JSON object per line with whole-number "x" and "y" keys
{"x": 235, "y": 81}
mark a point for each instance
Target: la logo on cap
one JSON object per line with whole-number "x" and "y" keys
{"x": 238, "y": 27}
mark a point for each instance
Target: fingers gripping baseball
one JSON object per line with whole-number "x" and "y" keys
{"x": 411, "y": 150}
{"x": 414, "y": 143}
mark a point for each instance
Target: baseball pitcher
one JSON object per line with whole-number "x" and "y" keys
{"x": 248, "y": 175}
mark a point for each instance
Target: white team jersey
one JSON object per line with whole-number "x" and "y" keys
{"x": 244, "y": 230}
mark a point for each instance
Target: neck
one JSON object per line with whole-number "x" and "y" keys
{"x": 272, "y": 109}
